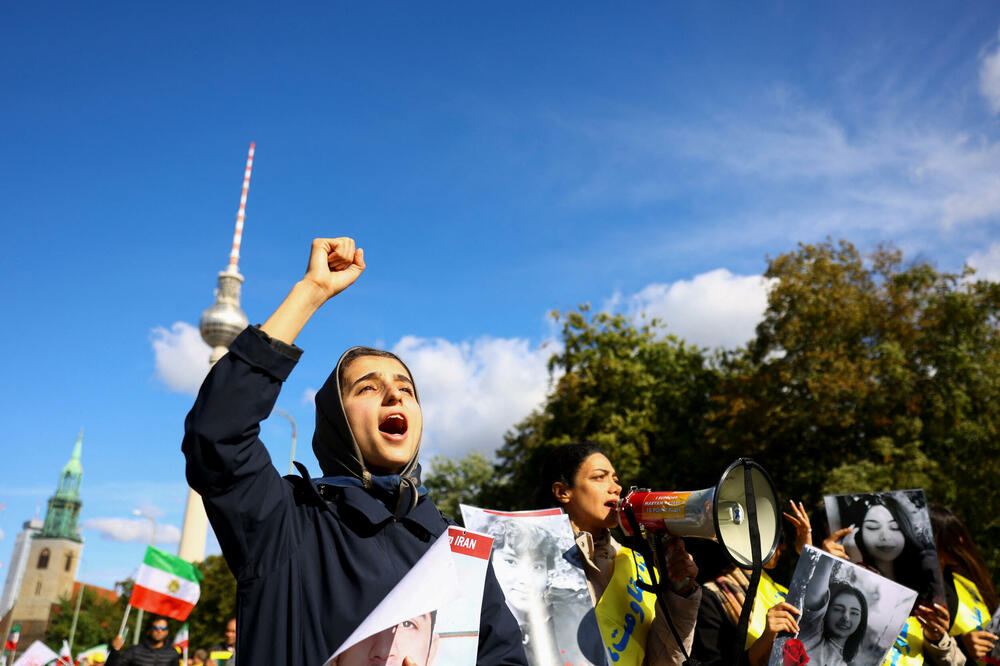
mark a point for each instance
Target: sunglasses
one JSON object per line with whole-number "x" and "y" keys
{"x": 159, "y": 627}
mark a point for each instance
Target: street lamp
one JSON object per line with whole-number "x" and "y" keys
{"x": 152, "y": 542}
{"x": 137, "y": 512}
{"x": 291, "y": 458}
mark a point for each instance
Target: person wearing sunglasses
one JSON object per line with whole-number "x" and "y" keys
{"x": 152, "y": 650}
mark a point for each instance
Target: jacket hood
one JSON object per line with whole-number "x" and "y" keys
{"x": 333, "y": 441}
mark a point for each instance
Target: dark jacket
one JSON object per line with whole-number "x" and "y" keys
{"x": 144, "y": 654}
{"x": 308, "y": 568}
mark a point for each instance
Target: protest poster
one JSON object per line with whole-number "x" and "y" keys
{"x": 37, "y": 654}
{"x": 893, "y": 536}
{"x": 432, "y": 614}
{"x": 850, "y": 615}
{"x": 539, "y": 568}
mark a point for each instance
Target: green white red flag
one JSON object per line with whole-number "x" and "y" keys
{"x": 15, "y": 635}
{"x": 166, "y": 585}
{"x": 181, "y": 639}
{"x": 65, "y": 658}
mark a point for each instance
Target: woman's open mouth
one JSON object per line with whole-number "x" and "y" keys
{"x": 393, "y": 425}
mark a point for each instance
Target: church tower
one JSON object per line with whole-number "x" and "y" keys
{"x": 53, "y": 555}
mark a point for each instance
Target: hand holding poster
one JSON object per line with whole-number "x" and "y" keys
{"x": 432, "y": 615}
{"x": 849, "y": 615}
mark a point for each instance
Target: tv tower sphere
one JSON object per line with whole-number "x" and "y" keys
{"x": 223, "y": 320}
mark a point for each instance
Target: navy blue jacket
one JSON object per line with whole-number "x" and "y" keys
{"x": 308, "y": 568}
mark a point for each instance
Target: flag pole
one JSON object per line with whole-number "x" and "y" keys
{"x": 76, "y": 616}
{"x": 185, "y": 655}
{"x": 128, "y": 607}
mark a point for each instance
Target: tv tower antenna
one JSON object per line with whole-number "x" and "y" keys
{"x": 223, "y": 321}
{"x": 219, "y": 326}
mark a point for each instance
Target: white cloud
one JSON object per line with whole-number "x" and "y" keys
{"x": 713, "y": 309}
{"x": 309, "y": 396}
{"x": 989, "y": 78}
{"x": 471, "y": 393}
{"x": 181, "y": 357}
{"x": 786, "y": 170}
{"x": 137, "y": 530}
{"x": 987, "y": 263}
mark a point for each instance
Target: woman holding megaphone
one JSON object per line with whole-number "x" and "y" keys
{"x": 582, "y": 480}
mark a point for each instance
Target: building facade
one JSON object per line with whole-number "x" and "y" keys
{"x": 53, "y": 556}
{"x": 18, "y": 562}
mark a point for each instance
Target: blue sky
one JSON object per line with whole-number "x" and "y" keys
{"x": 496, "y": 161}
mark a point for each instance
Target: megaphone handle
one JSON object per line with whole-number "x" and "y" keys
{"x": 651, "y": 553}
{"x": 758, "y": 566}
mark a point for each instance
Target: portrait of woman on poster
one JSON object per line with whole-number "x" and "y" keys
{"x": 834, "y": 618}
{"x": 890, "y": 542}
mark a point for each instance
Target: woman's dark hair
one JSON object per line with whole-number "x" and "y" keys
{"x": 561, "y": 464}
{"x": 953, "y": 539}
{"x": 908, "y": 567}
{"x": 853, "y": 642}
{"x": 359, "y": 352}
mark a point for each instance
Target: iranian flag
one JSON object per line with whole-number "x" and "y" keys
{"x": 65, "y": 658}
{"x": 166, "y": 585}
{"x": 15, "y": 634}
{"x": 181, "y": 639}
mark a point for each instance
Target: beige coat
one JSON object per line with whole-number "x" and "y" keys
{"x": 661, "y": 648}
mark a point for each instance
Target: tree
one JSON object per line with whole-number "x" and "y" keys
{"x": 639, "y": 393}
{"x": 97, "y": 623}
{"x": 452, "y": 482}
{"x": 871, "y": 375}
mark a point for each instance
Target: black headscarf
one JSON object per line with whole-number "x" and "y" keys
{"x": 336, "y": 449}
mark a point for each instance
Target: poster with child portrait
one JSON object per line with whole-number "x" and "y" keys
{"x": 432, "y": 615}
{"x": 893, "y": 536}
{"x": 850, "y": 615}
{"x": 539, "y": 568}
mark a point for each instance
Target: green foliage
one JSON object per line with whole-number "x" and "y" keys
{"x": 871, "y": 375}
{"x": 97, "y": 623}
{"x": 635, "y": 391}
{"x": 452, "y": 482}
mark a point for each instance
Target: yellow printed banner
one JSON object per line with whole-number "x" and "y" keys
{"x": 908, "y": 650}
{"x": 625, "y": 612}
{"x": 769, "y": 594}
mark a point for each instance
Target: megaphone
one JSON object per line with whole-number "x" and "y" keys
{"x": 719, "y": 513}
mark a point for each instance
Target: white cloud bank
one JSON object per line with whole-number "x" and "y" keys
{"x": 713, "y": 309}
{"x": 472, "y": 392}
{"x": 986, "y": 263}
{"x": 989, "y": 78}
{"x": 181, "y": 357}
{"x": 137, "y": 530}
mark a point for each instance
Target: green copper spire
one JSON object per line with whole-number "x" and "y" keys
{"x": 64, "y": 507}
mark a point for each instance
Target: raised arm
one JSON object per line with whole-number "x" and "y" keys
{"x": 334, "y": 265}
{"x": 244, "y": 495}
{"x": 819, "y": 585}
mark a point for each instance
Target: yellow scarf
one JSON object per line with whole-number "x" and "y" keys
{"x": 625, "y": 612}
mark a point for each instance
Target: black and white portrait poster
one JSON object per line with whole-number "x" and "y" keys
{"x": 432, "y": 615}
{"x": 893, "y": 536}
{"x": 850, "y": 615}
{"x": 539, "y": 567}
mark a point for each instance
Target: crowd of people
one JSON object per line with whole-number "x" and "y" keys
{"x": 313, "y": 557}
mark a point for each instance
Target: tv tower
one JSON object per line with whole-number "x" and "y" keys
{"x": 219, "y": 326}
